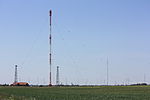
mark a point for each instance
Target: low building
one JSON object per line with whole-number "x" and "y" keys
{"x": 20, "y": 84}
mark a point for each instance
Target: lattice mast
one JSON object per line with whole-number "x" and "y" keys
{"x": 16, "y": 75}
{"x": 107, "y": 72}
{"x": 57, "y": 76}
{"x": 50, "y": 52}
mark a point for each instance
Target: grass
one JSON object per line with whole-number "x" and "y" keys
{"x": 76, "y": 93}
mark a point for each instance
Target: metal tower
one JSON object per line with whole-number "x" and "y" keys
{"x": 50, "y": 52}
{"x": 107, "y": 73}
{"x": 57, "y": 76}
{"x": 16, "y": 76}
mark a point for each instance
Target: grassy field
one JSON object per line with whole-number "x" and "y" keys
{"x": 76, "y": 93}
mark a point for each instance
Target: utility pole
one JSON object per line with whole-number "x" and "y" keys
{"x": 50, "y": 50}
{"x": 16, "y": 76}
{"x": 57, "y": 76}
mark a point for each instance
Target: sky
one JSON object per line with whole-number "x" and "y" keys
{"x": 85, "y": 33}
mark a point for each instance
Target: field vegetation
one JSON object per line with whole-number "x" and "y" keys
{"x": 76, "y": 93}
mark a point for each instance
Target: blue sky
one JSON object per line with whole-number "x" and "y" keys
{"x": 85, "y": 33}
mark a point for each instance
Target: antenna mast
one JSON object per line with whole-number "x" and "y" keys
{"x": 50, "y": 52}
{"x": 16, "y": 78}
{"x": 107, "y": 71}
{"x": 57, "y": 76}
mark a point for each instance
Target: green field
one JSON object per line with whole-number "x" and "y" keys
{"x": 76, "y": 93}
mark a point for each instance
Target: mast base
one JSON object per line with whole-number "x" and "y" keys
{"x": 50, "y": 85}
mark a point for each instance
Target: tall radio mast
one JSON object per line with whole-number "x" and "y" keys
{"x": 107, "y": 73}
{"x": 57, "y": 76}
{"x": 50, "y": 54}
{"x": 16, "y": 76}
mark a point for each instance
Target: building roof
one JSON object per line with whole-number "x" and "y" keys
{"x": 21, "y": 83}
